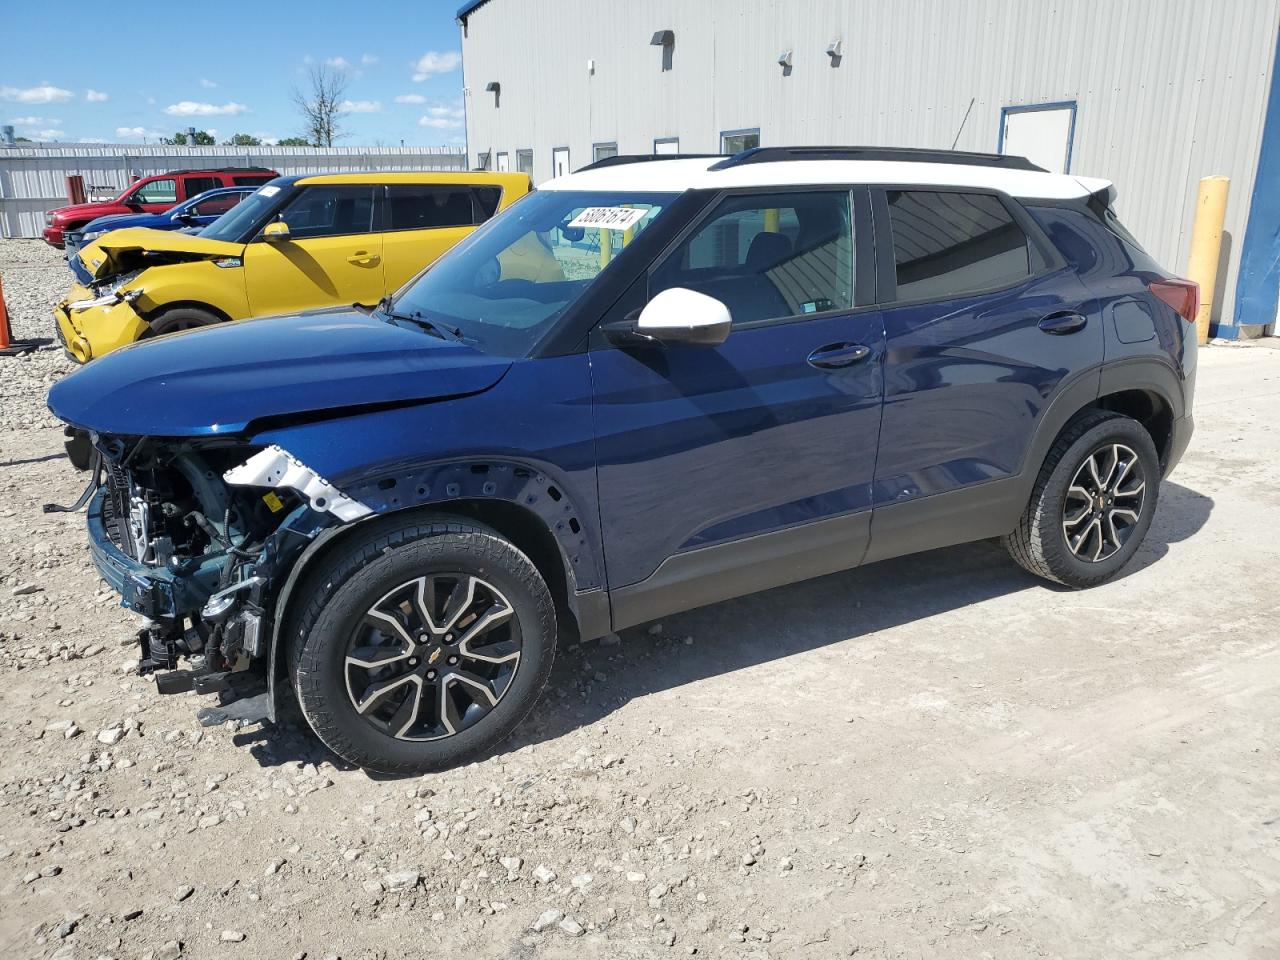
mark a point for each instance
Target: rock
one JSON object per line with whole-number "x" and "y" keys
{"x": 610, "y": 640}
{"x": 111, "y": 735}
{"x": 183, "y": 892}
{"x": 402, "y": 880}
{"x": 231, "y": 936}
{"x": 274, "y": 867}
{"x": 547, "y": 918}
{"x": 785, "y": 865}
{"x": 171, "y": 950}
{"x": 655, "y": 629}
{"x": 635, "y": 876}
{"x": 572, "y": 927}
{"x": 628, "y": 824}
{"x": 512, "y": 865}
{"x": 581, "y": 881}
{"x": 73, "y": 730}
{"x": 543, "y": 874}
{"x": 25, "y": 590}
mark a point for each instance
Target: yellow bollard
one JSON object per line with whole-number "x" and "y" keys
{"x": 1206, "y": 246}
{"x": 606, "y": 247}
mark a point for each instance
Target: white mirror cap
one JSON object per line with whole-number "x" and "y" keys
{"x": 678, "y": 308}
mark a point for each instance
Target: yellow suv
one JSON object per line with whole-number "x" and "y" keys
{"x": 298, "y": 243}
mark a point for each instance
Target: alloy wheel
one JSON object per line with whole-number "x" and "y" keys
{"x": 1103, "y": 503}
{"x": 433, "y": 656}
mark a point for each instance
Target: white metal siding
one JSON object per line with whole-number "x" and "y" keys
{"x": 1168, "y": 91}
{"x": 33, "y": 179}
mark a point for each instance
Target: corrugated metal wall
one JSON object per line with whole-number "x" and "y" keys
{"x": 33, "y": 179}
{"x": 1168, "y": 91}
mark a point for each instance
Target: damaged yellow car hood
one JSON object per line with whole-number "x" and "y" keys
{"x": 138, "y": 247}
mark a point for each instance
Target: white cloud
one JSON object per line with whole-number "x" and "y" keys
{"x": 434, "y": 62}
{"x": 207, "y": 84}
{"x": 30, "y": 121}
{"x": 411, "y": 98}
{"x": 190, "y": 108}
{"x": 360, "y": 106}
{"x": 338, "y": 63}
{"x": 95, "y": 96}
{"x": 50, "y": 135}
{"x": 137, "y": 133}
{"x": 41, "y": 94}
{"x": 92, "y": 140}
{"x": 368, "y": 59}
{"x": 440, "y": 123}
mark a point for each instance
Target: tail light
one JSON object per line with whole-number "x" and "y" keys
{"x": 1182, "y": 295}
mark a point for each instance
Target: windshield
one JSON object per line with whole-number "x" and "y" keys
{"x": 236, "y": 222}
{"x": 505, "y": 286}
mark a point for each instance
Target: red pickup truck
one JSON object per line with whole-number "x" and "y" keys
{"x": 154, "y": 194}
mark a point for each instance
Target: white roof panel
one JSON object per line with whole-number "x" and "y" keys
{"x": 674, "y": 176}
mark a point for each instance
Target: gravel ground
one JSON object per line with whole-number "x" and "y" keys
{"x": 932, "y": 757}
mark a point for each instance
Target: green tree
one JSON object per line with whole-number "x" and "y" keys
{"x": 295, "y": 142}
{"x": 243, "y": 140}
{"x": 202, "y": 139}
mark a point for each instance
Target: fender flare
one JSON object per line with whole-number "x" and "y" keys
{"x": 437, "y": 485}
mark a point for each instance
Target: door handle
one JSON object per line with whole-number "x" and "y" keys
{"x": 1060, "y": 324}
{"x": 362, "y": 257}
{"x": 835, "y": 355}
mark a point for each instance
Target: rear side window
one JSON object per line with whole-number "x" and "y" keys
{"x": 769, "y": 256}
{"x": 428, "y": 207}
{"x": 196, "y": 185}
{"x": 324, "y": 211}
{"x": 946, "y": 244}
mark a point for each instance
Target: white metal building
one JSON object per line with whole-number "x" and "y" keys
{"x": 1151, "y": 94}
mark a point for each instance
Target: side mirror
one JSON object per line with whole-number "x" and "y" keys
{"x": 133, "y": 201}
{"x": 186, "y": 216}
{"x": 679, "y": 315}
{"x": 277, "y": 231}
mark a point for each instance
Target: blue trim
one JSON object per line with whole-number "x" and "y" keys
{"x": 1034, "y": 108}
{"x": 1258, "y": 281}
{"x": 468, "y": 8}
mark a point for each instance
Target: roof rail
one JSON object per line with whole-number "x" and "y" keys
{"x": 621, "y": 158}
{"x": 890, "y": 154}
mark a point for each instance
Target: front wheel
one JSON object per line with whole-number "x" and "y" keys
{"x": 423, "y": 646}
{"x": 177, "y": 319}
{"x": 1092, "y": 503}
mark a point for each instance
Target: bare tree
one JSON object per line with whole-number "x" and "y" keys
{"x": 321, "y": 104}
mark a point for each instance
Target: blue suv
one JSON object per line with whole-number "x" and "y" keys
{"x": 190, "y": 215}
{"x": 653, "y": 384}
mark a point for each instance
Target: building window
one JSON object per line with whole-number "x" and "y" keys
{"x": 602, "y": 151}
{"x": 1041, "y": 132}
{"x": 735, "y": 141}
{"x": 482, "y": 160}
{"x": 559, "y": 161}
{"x": 666, "y": 145}
{"x": 524, "y": 162}
{"x": 504, "y": 163}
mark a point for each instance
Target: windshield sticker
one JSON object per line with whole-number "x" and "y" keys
{"x": 268, "y": 191}
{"x": 610, "y": 218}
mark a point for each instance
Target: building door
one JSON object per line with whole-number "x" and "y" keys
{"x": 666, "y": 145}
{"x": 1040, "y": 132}
{"x": 504, "y": 163}
{"x": 559, "y": 161}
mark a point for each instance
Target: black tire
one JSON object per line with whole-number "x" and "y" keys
{"x": 332, "y": 607}
{"x": 1041, "y": 545}
{"x": 177, "y": 319}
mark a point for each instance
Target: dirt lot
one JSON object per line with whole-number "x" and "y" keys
{"x": 933, "y": 757}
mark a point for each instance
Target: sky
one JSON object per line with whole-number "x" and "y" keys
{"x": 231, "y": 70}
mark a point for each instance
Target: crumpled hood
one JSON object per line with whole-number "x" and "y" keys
{"x": 135, "y": 247}
{"x": 218, "y": 379}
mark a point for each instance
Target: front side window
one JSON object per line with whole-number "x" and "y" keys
{"x": 946, "y": 244}
{"x": 506, "y": 285}
{"x": 216, "y": 206}
{"x": 157, "y": 191}
{"x": 329, "y": 211}
{"x": 767, "y": 257}
{"x": 245, "y": 218}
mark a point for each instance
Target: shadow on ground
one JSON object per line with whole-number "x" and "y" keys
{"x": 767, "y": 626}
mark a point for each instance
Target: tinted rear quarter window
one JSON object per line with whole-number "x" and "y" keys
{"x": 252, "y": 180}
{"x": 946, "y": 244}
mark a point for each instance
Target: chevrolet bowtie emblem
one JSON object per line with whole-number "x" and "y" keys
{"x": 435, "y": 655}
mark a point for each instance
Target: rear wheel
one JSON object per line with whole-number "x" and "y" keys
{"x": 1092, "y": 503}
{"x": 422, "y": 647}
{"x": 177, "y": 319}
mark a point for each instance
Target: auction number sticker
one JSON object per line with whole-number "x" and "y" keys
{"x": 610, "y": 218}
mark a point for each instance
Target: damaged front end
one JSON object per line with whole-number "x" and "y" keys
{"x": 197, "y": 536}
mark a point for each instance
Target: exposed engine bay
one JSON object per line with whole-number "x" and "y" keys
{"x": 212, "y": 544}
